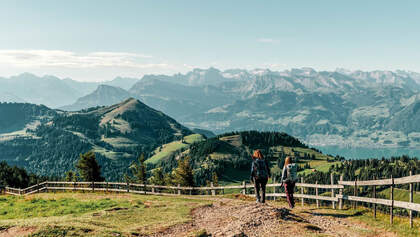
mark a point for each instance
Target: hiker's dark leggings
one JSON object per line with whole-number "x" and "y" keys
{"x": 289, "y": 188}
{"x": 260, "y": 184}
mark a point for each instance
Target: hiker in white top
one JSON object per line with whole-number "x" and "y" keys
{"x": 289, "y": 178}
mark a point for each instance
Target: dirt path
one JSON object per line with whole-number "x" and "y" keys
{"x": 227, "y": 217}
{"x": 17, "y": 231}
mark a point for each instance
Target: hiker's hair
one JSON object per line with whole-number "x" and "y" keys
{"x": 288, "y": 161}
{"x": 257, "y": 155}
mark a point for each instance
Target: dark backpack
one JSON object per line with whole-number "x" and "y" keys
{"x": 260, "y": 168}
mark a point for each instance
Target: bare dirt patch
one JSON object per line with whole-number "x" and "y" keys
{"x": 17, "y": 231}
{"x": 232, "y": 218}
{"x": 227, "y": 217}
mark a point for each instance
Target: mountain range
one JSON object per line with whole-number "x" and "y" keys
{"x": 51, "y": 91}
{"x": 341, "y": 107}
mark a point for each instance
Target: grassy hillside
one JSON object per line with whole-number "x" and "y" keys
{"x": 229, "y": 155}
{"x": 170, "y": 148}
{"x": 52, "y": 140}
{"x": 401, "y": 195}
{"x": 94, "y": 214}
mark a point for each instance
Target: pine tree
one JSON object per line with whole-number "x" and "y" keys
{"x": 157, "y": 177}
{"x": 215, "y": 179}
{"x": 169, "y": 179}
{"x": 71, "y": 176}
{"x": 184, "y": 173}
{"x": 89, "y": 168}
{"x": 139, "y": 170}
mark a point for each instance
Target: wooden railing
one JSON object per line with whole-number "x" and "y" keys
{"x": 244, "y": 189}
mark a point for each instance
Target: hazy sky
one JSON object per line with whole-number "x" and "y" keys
{"x": 99, "y": 40}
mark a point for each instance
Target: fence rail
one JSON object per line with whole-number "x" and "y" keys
{"x": 336, "y": 197}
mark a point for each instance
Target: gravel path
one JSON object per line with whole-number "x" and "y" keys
{"x": 228, "y": 217}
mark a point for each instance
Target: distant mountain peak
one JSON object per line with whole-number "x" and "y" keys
{"x": 104, "y": 95}
{"x": 102, "y": 87}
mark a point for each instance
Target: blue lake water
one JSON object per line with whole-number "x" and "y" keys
{"x": 363, "y": 152}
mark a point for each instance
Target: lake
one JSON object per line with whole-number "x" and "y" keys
{"x": 363, "y": 152}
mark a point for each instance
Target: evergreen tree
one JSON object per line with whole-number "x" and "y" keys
{"x": 215, "y": 179}
{"x": 139, "y": 170}
{"x": 169, "y": 179}
{"x": 71, "y": 176}
{"x": 184, "y": 173}
{"x": 157, "y": 177}
{"x": 89, "y": 168}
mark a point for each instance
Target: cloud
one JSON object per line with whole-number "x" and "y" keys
{"x": 267, "y": 40}
{"x": 68, "y": 59}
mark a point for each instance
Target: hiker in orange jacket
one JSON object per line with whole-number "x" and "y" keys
{"x": 260, "y": 173}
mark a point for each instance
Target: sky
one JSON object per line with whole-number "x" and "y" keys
{"x": 99, "y": 40}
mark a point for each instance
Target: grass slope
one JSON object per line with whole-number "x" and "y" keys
{"x": 320, "y": 163}
{"x": 170, "y": 148}
{"x": 401, "y": 195}
{"x": 95, "y": 214}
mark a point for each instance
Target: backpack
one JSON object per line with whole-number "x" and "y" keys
{"x": 260, "y": 168}
{"x": 291, "y": 172}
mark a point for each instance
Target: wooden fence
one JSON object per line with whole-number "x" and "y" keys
{"x": 337, "y": 196}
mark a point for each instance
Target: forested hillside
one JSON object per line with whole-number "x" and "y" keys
{"x": 228, "y": 156}
{"x": 117, "y": 134}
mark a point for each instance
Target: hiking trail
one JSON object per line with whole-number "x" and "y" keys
{"x": 230, "y": 217}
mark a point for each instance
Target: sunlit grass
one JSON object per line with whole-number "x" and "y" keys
{"x": 171, "y": 147}
{"x": 95, "y": 214}
{"x": 401, "y": 195}
{"x": 21, "y": 208}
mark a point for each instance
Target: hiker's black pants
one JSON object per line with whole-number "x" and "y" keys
{"x": 260, "y": 184}
{"x": 289, "y": 188}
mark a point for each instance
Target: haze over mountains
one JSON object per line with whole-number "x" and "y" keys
{"x": 50, "y": 90}
{"x": 341, "y": 107}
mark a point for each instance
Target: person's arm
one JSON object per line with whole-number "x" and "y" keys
{"x": 268, "y": 168}
{"x": 282, "y": 174}
{"x": 252, "y": 171}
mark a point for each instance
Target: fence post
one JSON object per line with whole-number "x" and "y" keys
{"x": 37, "y": 186}
{"x": 411, "y": 200}
{"x": 128, "y": 187}
{"x": 145, "y": 187}
{"x": 391, "y": 209}
{"x": 374, "y": 196}
{"x": 106, "y": 186}
{"x": 244, "y": 188}
{"x": 213, "y": 192}
{"x": 153, "y": 189}
{"x": 340, "y": 191}
{"x": 74, "y": 186}
{"x": 332, "y": 190}
{"x": 316, "y": 193}
{"x": 274, "y": 189}
{"x": 355, "y": 193}
{"x": 301, "y": 191}
{"x": 179, "y": 190}
{"x": 93, "y": 186}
